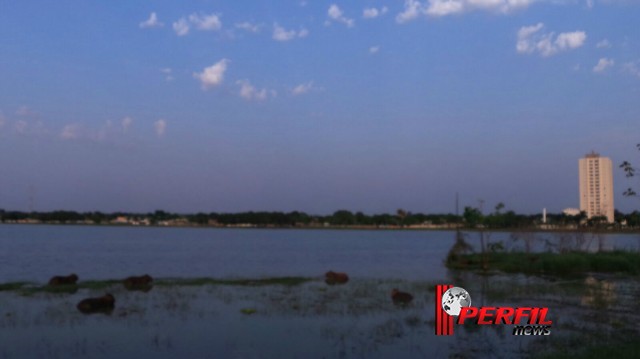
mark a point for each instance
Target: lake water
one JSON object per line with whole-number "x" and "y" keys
{"x": 312, "y": 320}
{"x": 37, "y": 252}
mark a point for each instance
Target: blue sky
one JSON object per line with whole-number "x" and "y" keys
{"x": 314, "y": 105}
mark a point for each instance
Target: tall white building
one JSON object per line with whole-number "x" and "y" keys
{"x": 596, "y": 186}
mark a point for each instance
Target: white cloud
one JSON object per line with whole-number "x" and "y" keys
{"x": 590, "y": 4}
{"x": 374, "y": 49}
{"x": 436, "y": 8}
{"x": 249, "y": 92}
{"x": 25, "y": 111}
{"x": 21, "y": 126}
{"x": 107, "y": 133}
{"x": 528, "y": 41}
{"x": 70, "y": 132}
{"x": 302, "y": 88}
{"x": 160, "y": 127}
{"x": 604, "y": 44}
{"x": 445, "y": 7}
{"x": 206, "y": 22}
{"x": 280, "y": 34}
{"x": 603, "y": 64}
{"x": 201, "y": 22}
{"x": 570, "y": 40}
{"x": 151, "y": 22}
{"x": 181, "y": 27}
{"x": 449, "y": 7}
{"x": 168, "y": 72}
{"x": 336, "y": 14}
{"x": 412, "y": 9}
{"x": 247, "y": 26}
{"x": 213, "y": 75}
{"x": 531, "y": 40}
{"x": 372, "y": 13}
{"x": 103, "y": 133}
{"x": 126, "y": 123}
{"x": 632, "y": 68}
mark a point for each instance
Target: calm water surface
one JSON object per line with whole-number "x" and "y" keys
{"x": 37, "y": 252}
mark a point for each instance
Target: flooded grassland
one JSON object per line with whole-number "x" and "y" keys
{"x": 262, "y": 294}
{"x": 308, "y": 318}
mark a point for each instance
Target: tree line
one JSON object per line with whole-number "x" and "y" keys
{"x": 471, "y": 218}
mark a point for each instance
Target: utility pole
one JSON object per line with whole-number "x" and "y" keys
{"x": 32, "y": 195}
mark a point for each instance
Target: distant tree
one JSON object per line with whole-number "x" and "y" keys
{"x": 296, "y": 217}
{"x": 160, "y": 215}
{"x": 401, "y": 214}
{"x": 96, "y": 217}
{"x": 199, "y": 218}
{"x": 629, "y": 171}
{"x": 597, "y": 221}
{"x": 472, "y": 216}
{"x": 343, "y": 218}
{"x": 499, "y": 207}
{"x": 633, "y": 219}
{"x": 383, "y": 219}
{"x": 411, "y": 219}
{"x": 618, "y": 216}
{"x": 363, "y": 219}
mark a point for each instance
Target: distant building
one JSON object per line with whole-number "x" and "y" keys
{"x": 571, "y": 212}
{"x": 120, "y": 220}
{"x": 596, "y": 186}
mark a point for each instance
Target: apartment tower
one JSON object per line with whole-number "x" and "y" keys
{"x": 596, "y": 186}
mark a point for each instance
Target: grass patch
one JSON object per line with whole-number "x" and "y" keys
{"x": 288, "y": 281}
{"x": 67, "y": 288}
{"x": 629, "y": 350}
{"x": 26, "y": 288}
{"x": 13, "y": 286}
{"x": 99, "y": 284}
{"x": 248, "y": 311}
{"x": 558, "y": 264}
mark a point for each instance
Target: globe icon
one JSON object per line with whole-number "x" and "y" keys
{"x": 454, "y": 299}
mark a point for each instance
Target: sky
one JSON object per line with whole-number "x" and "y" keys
{"x": 314, "y": 105}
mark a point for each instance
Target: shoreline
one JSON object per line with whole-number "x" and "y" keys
{"x": 348, "y": 228}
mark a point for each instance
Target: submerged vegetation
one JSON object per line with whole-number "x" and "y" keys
{"x": 27, "y": 288}
{"x": 287, "y": 281}
{"x": 564, "y": 255}
{"x": 619, "y": 350}
{"x": 558, "y": 264}
{"x": 12, "y": 286}
{"x": 360, "y": 316}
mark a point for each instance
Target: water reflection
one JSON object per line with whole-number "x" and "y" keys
{"x": 599, "y": 293}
